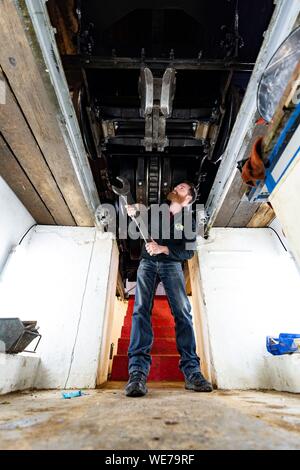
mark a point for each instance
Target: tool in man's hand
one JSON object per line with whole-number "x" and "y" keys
{"x": 123, "y": 192}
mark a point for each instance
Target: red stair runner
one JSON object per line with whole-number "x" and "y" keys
{"x": 165, "y": 357}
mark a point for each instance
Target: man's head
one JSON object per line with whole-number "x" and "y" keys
{"x": 184, "y": 193}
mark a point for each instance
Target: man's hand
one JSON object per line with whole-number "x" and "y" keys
{"x": 154, "y": 249}
{"x": 132, "y": 210}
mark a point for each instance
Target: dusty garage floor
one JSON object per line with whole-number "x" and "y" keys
{"x": 167, "y": 418}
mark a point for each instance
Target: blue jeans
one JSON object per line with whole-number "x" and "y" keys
{"x": 141, "y": 338}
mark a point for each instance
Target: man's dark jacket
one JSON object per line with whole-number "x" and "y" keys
{"x": 181, "y": 248}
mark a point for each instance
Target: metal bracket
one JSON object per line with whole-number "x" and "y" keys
{"x": 157, "y": 95}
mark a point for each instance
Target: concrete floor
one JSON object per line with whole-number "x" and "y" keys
{"x": 167, "y": 418}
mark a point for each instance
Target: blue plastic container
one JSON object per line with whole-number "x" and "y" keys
{"x": 78, "y": 393}
{"x": 286, "y": 343}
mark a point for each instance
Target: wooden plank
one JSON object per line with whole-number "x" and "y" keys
{"x": 231, "y": 201}
{"x": 15, "y": 177}
{"x": 186, "y": 272}
{"x": 234, "y": 212}
{"x": 22, "y": 62}
{"x": 62, "y": 15}
{"x": 102, "y": 373}
{"x": 120, "y": 287}
{"x": 200, "y": 319}
{"x": 22, "y": 143}
{"x": 262, "y": 217}
{"x": 243, "y": 213}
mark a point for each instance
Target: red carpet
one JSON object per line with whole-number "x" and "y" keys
{"x": 165, "y": 357}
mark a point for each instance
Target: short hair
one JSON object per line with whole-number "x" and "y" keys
{"x": 192, "y": 192}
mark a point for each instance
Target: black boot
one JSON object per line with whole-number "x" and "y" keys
{"x": 198, "y": 383}
{"x": 136, "y": 386}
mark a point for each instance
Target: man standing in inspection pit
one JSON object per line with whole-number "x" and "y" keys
{"x": 162, "y": 259}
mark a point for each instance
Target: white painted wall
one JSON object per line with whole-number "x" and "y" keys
{"x": 15, "y": 220}
{"x": 283, "y": 372}
{"x": 251, "y": 289}
{"x": 60, "y": 276}
{"x": 275, "y": 225}
{"x": 285, "y": 200}
{"x": 17, "y": 372}
{"x": 64, "y": 277}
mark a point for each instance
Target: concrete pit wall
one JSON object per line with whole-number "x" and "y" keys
{"x": 248, "y": 288}
{"x": 14, "y": 223}
{"x": 65, "y": 278}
